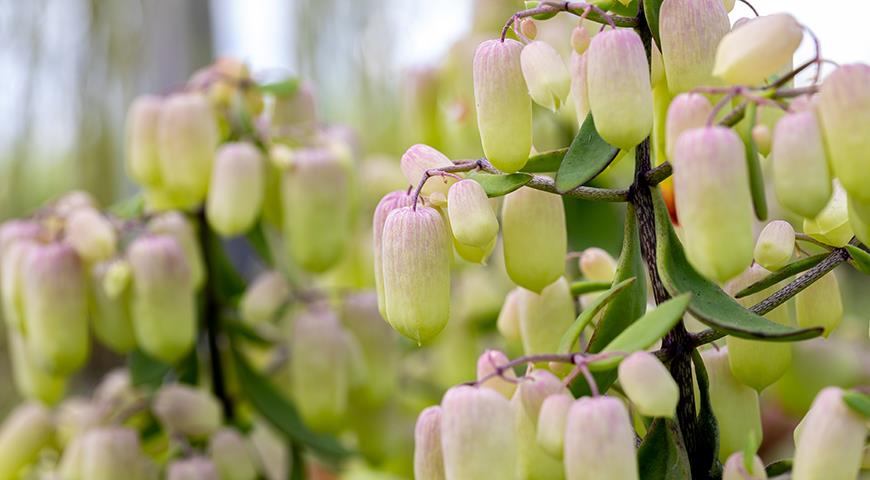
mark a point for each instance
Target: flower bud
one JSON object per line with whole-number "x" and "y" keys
{"x": 271, "y": 448}
{"x": 194, "y": 468}
{"x": 31, "y": 381}
{"x": 711, "y": 189}
{"x": 72, "y": 201}
{"x": 735, "y": 469}
{"x": 187, "y": 135}
{"x": 488, "y": 364}
{"x": 763, "y": 138}
{"x": 12, "y": 256}
{"x": 580, "y": 39}
{"x": 110, "y": 311}
{"x": 117, "y": 391}
{"x": 235, "y": 195}
{"x": 758, "y": 49}
{"x": 843, "y": 103}
{"x": 619, "y": 92}
{"x": 735, "y": 405}
{"x": 801, "y": 176}
{"x": 690, "y": 32}
{"x": 416, "y": 262}
{"x": 264, "y": 298}
{"x": 417, "y": 160}
{"x": 578, "y": 86}
{"x": 477, "y": 434}
{"x": 831, "y": 442}
{"x": 143, "y": 118}
{"x": 23, "y": 434}
{"x": 753, "y": 362}
{"x": 545, "y": 74}
{"x": 110, "y": 453}
{"x": 528, "y": 28}
{"x": 831, "y": 225}
{"x": 75, "y": 416}
{"x": 729, "y": 4}
{"x": 390, "y": 202}
{"x": 545, "y": 317}
{"x": 552, "y": 419}
{"x": 597, "y": 265}
{"x": 318, "y": 368}
{"x": 14, "y": 230}
{"x": 535, "y": 239}
{"x": 504, "y": 111}
{"x": 176, "y": 225}
{"x": 187, "y": 410}
{"x": 508, "y": 322}
{"x": 533, "y": 462}
{"x": 775, "y": 245}
{"x": 649, "y": 385}
{"x": 858, "y": 223}
{"x": 686, "y": 112}
{"x": 599, "y": 440}
{"x": 428, "y": 456}
{"x": 55, "y": 306}
{"x": 316, "y": 195}
{"x": 820, "y": 305}
{"x": 91, "y": 235}
{"x": 163, "y": 299}
{"x": 294, "y": 117}
{"x": 378, "y": 344}
{"x": 232, "y": 455}
{"x": 472, "y": 220}
{"x": 471, "y": 253}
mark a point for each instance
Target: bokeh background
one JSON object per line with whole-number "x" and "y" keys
{"x": 396, "y": 71}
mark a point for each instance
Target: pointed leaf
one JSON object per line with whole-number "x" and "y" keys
{"x": 500, "y": 185}
{"x": 709, "y": 303}
{"x": 587, "y": 156}
{"x": 753, "y": 165}
{"x": 783, "y": 273}
{"x": 257, "y": 239}
{"x": 779, "y": 467}
{"x": 545, "y": 162}
{"x": 146, "y": 371}
{"x": 707, "y": 427}
{"x": 860, "y": 258}
{"x": 588, "y": 286}
{"x": 858, "y": 401}
{"x": 662, "y": 454}
{"x": 573, "y": 333}
{"x": 651, "y": 10}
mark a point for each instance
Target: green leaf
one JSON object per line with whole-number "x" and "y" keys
{"x": 146, "y": 371}
{"x": 569, "y": 338}
{"x": 281, "y": 88}
{"x": 709, "y": 303}
{"x": 224, "y": 279}
{"x": 779, "y": 467}
{"x": 860, "y": 258}
{"x": 129, "y": 207}
{"x": 587, "y": 156}
{"x": 629, "y": 10}
{"x": 545, "y": 162}
{"x": 858, "y": 401}
{"x": 646, "y": 331}
{"x": 281, "y": 413}
{"x": 500, "y": 185}
{"x": 541, "y": 16}
{"x": 241, "y": 330}
{"x": 662, "y": 454}
{"x": 630, "y": 304}
{"x": 257, "y": 238}
{"x": 707, "y": 427}
{"x": 753, "y": 165}
{"x": 783, "y": 273}
{"x": 588, "y": 286}
{"x": 651, "y": 10}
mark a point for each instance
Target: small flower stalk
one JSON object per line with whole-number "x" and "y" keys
{"x": 545, "y": 74}
{"x": 235, "y": 196}
{"x": 801, "y": 175}
{"x": 649, "y": 385}
{"x": 690, "y": 33}
{"x": 599, "y": 441}
{"x": 534, "y": 221}
{"x": 754, "y": 51}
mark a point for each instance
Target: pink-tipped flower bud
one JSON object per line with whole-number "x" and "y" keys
{"x": 32, "y": 381}
{"x": 55, "y": 308}
{"x": 177, "y": 225}
{"x": 843, "y": 103}
{"x": 16, "y": 241}
{"x": 546, "y": 75}
{"x": 232, "y": 455}
{"x": 194, "y": 468}
{"x": 504, "y": 110}
{"x": 187, "y": 136}
{"x": 690, "y": 33}
{"x": 735, "y": 405}
{"x": 143, "y": 161}
{"x": 293, "y": 118}
{"x": 753, "y": 362}
{"x": 831, "y": 441}
{"x": 91, "y": 235}
{"x": 72, "y": 201}
{"x": 187, "y": 410}
{"x": 508, "y": 322}
{"x": 163, "y": 298}
{"x": 820, "y": 305}
{"x": 488, "y": 364}
{"x": 545, "y": 316}
{"x": 110, "y": 453}
{"x": 649, "y": 385}
{"x": 599, "y": 441}
{"x": 110, "y": 307}
{"x": 801, "y": 175}
{"x": 735, "y": 468}
{"x": 758, "y": 49}
{"x": 416, "y": 261}
{"x": 831, "y": 226}
{"x": 711, "y": 189}
{"x": 390, "y": 202}
{"x": 428, "y": 456}
{"x": 23, "y": 434}
{"x": 775, "y": 245}
{"x": 580, "y": 39}
{"x": 477, "y": 434}
{"x": 579, "y": 93}
{"x": 264, "y": 298}
{"x": 532, "y": 460}
{"x": 535, "y": 238}
{"x": 317, "y": 200}
{"x": 686, "y": 112}
{"x": 417, "y": 160}
{"x": 235, "y": 196}
{"x": 597, "y": 265}
{"x": 551, "y": 423}
{"x": 472, "y": 220}
{"x": 619, "y": 92}
{"x": 318, "y": 368}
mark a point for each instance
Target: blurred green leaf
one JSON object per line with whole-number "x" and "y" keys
{"x": 224, "y": 279}
{"x": 545, "y": 162}
{"x": 651, "y": 10}
{"x": 146, "y": 371}
{"x": 662, "y": 454}
{"x": 779, "y": 467}
{"x": 860, "y": 258}
{"x": 282, "y": 88}
{"x": 858, "y": 401}
{"x": 709, "y": 303}
{"x": 569, "y": 338}
{"x": 753, "y": 165}
{"x": 707, "y": 427}
{"x": 542, "y": 16}
{"x": 239, "y": 329}
{"x": 587, "y": 156}
{"x": 783, "y": 273}
{"x": 257, "y": 239}
{"x": 629, "y": 10}
{"x": 588, "y": 286}
{"x": 500, "y": 185}
{"x": 129, "y": 207}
